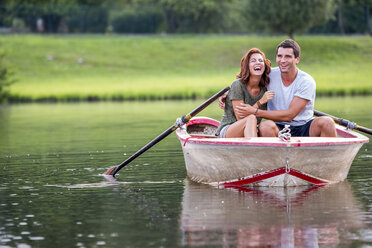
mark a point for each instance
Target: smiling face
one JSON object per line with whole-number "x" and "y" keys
{"x": 256, "y": 64}
{"x": 286, "y": 60}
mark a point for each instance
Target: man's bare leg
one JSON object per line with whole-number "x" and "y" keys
{"x": 323, "y": 126}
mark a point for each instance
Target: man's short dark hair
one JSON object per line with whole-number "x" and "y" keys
{"x": 290, "y": 44}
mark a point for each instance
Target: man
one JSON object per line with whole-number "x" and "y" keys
{"x": 293, "y": 103}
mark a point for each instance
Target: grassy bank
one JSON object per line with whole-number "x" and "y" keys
{"x": 161, "y": 67}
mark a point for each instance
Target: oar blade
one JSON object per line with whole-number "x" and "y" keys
{"x": 110, "y": 172}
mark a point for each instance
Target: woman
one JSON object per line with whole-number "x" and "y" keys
{"x": 249, "y": 88}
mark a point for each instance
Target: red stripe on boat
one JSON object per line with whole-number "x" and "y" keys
{"x": 184, "y": 144}
{"x": 274, "y": 173}
{"x": 278, "y": 143}
{"x": 257, "y": 177}
{"x": 306, "y": 177}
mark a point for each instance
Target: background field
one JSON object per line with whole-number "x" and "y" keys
{"x": 99, "y": 67}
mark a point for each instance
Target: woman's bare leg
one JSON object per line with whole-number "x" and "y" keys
{"x": 268, "y": 128}
{"x": 246, "y": 127}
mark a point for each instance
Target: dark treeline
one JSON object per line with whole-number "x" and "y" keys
{"x": 187, "y": 16}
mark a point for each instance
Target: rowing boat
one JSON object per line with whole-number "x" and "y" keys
{"x": 266, "y": 161}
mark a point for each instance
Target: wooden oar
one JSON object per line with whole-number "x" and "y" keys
{"x": 346, "y": 123}
{"x": 180, "y": 121}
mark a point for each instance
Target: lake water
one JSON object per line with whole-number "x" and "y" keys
{"x": 53, "y": 194}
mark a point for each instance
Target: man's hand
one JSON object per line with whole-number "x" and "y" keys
{"x": 221, "y": 100}
{"x": 244, "y": 110}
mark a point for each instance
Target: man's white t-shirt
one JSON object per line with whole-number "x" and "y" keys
{"x": 303, "y": 86}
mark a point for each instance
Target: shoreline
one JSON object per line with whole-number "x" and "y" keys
{"x": 93, "y": 98}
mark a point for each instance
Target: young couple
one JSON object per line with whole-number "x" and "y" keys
{"x": 286, "y": 92}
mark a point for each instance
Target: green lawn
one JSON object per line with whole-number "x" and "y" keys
{"x": 176, "y": 66}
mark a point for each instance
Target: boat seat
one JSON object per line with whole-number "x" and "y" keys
{"x": 202, "y": 130}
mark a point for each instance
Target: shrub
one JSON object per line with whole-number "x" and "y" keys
{"x": 138, "y": 20}
{"x": 88, "y": 19}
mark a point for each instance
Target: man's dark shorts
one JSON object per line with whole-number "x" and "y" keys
{"x": 298, "y": 130}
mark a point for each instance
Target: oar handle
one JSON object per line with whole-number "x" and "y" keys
{"x": 209, "y": 101}
{"x": 180, "y": 121}
{"x": 345, "y": 123}
{"x": 197, "y": 110}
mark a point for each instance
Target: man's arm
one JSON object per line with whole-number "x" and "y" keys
{"x": 296, "y": 106}
{"x": 221, "y": 100}
{"x": 235, "y": 104}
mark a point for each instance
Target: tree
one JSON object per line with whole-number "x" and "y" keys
{"x": 190, "y": 16}
{"x": 288, "y": 16}
{"x": 79, "y": 15}
{"x": 51, "y": 12}
{"x": 194, "y": 16}
{"x": 357, "y": 13}
{"x": 87, "y": 16}
{"x": 353, "y": 17}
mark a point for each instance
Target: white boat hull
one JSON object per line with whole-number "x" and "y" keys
{"x": 268, "y": 161}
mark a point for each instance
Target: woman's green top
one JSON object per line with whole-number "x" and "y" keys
{"x": 238, "y": 91}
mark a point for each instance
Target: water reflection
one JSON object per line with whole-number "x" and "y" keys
{"x": 271, "y": 217}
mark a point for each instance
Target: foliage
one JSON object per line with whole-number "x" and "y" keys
{"x": 195, "y": 16}
{"x": 189, "y": 16}
{"x": 184, "y": 16}
{"x": 87, "y": 19}
{"x": 80, "y": 15}
{"x": 288, "y": 16}
{"x": 352, "y": 16}
{"x": 52, "y": 12}
{"x": 138, "y": 19}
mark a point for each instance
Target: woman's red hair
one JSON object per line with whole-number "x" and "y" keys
{"x": 244, "y": 68}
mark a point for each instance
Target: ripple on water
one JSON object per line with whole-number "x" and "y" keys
{"x": 22, "y": 245}
{"x": 366, "y": 235}
{"x": 26, "y": 187}
{"x": 106, "y": 184}
{"x": 36, "y": 238}
{"x": 365, "y": 156}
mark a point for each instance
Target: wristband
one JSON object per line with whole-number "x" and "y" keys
{"x": 258, "y": 104}
{"x": 255, "y": 112}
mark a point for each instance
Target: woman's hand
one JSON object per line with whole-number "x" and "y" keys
{"x": 267, "y": 97}
{"x": 243, "y": 110}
